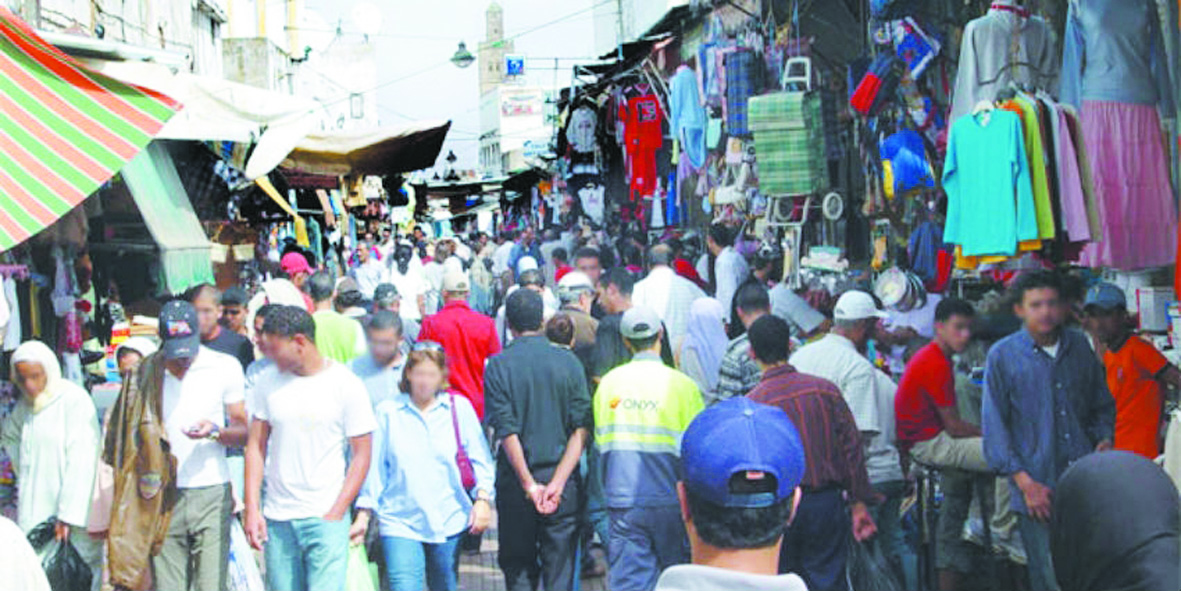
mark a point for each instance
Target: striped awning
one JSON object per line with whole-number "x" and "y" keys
{"x": 64, "y": 130}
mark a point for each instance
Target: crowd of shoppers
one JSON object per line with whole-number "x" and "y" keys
{"x": 724, "y": 437}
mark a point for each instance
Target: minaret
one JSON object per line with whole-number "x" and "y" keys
{"x": 493, "y": 49}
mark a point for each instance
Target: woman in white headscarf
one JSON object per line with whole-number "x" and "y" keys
{"x": 704, "y": 345}
{"x": 52, "y": 437}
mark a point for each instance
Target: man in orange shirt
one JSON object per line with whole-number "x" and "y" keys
{"x": 1135, "y": 370}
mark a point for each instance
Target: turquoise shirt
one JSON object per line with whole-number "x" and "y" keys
{"x": 986, "y": 177}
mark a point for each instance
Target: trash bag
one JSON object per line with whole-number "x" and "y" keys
{"x": 63, "y": 566}
{"x": 868, "y": 570}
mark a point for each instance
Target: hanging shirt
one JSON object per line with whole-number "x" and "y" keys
{"x": 688, "y": 116}
{"x": 988, "y": 64}
{"x": 1114, "y": 51}
{"x": 990, "y": 205}
{"x": 12, "y": 334}
{"x": 1035, "y": 152}
{"x": 641, "y": 116}
{"x": 1073, "y": 199}
{"x": 580, "y": 132}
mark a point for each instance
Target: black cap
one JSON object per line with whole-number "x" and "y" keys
{"x": 234, "y": 296}
{"x": 178, "y": 330}
{"x": 386, "y": 292}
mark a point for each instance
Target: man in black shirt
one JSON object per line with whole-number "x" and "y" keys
{"x": 206, "y": 299}
{"x": 539, "y": 407}
{"x": 615, "y": 293}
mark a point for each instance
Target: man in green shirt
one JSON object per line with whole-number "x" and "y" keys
{"x": 338, "y": 337}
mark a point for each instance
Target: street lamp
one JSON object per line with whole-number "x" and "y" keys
{"x": 462, "y": 58}
{"x": 450, "y": 174}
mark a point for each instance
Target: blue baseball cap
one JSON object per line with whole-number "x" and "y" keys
{"x": 1106, "y": 296}
{"x": 744, "y": 439}
{"x": 178, "y": 330}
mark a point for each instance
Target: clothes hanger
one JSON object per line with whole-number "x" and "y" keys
{"x": 984, "y": 108}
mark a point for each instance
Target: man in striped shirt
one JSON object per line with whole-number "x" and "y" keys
{"x": 815, "y": 544}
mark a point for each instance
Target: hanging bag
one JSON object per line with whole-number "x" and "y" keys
{"x": 467, "y": 474}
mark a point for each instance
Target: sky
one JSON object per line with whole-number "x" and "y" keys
{"x": 416, "y": 38}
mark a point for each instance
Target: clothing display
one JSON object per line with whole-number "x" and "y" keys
{"x": 742, "y": 68}
{"x": 642, "y": 137}
{"x": 1115, "y": 68}
{"x": 581, "y": 129}
{"x": 1132, "y": 187}
{"x": 1004, "y": 47}
{"x": 990, "y": 206}
{"x": 1035, "y": 152}
{"x": 1114, "y": 52}
{"x": 687, "y": 116}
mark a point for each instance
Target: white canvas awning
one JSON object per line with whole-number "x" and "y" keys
{"x": 282, "y": 126}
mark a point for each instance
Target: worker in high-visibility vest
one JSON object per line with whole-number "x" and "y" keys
{"x": 642, "y": 409}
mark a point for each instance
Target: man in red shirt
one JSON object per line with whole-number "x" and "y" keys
{"x": 930, "y": 428}
{"x": 1135, "y": 370}
{"x": 468, "y": 338}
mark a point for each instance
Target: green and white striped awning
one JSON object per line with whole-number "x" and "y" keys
{"x": 64, "y": 130}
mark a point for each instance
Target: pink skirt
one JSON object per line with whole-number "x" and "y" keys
{"x": 1132, "y": 187}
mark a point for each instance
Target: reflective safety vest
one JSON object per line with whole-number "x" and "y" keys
{"x": 642, "y": 409}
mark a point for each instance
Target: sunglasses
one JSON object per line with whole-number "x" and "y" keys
{"x": 427, "y": 346}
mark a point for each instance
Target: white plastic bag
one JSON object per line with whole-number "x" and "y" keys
{"x": 244, "y": 574}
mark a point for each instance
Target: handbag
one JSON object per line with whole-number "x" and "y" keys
{"x": 467, "y": 474}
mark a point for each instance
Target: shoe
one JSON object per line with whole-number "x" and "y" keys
{"x": 594, "y": 564}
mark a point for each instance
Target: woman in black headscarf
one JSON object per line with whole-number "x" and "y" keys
{"x": 1116, "y": 526}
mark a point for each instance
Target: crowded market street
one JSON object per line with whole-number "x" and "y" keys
{"x": 620, "y": 295}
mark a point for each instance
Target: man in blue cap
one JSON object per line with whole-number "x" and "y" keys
{"x": 737, "y": 499}
{"x": 1135, "y": 372}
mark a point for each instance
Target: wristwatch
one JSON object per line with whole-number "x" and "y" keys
{"x": 215, "y": 434}
{"x": 532, "y": 489}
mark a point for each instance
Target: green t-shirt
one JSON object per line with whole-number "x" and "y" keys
{"x": 338, "y": 337}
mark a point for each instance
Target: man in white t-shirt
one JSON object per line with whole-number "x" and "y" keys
{"x": 201, "y": 388}
{"x": 410, "y": 283}
{"x": 305, "y": 413}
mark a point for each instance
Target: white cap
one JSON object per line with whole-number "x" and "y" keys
{"x": 575, "y": 280}
{"x": 527, "y": 263}
{"x": 455, "y": 281}
{"x": 856, "y": 305}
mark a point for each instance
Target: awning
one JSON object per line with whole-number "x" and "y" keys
{"x": 220, "y": 110}
{"x": 162, "y": 201}
{"x": 382, "y": 151}
{"x": 282, "y": 125}
{"x": 64, "y": 130}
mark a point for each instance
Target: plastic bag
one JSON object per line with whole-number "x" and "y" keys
{"x": 63, "y": 566}
{"x": 360, "y": 576}
{"x": 868, "y": 570}
{"x": 243, "y": 569}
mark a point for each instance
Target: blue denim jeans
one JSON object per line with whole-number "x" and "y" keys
{"x": 408, "y": 562}
{"x": 598, "y": 521}
{"x": 644, "y": 542}
{"x": 307, "y": 555}
{"x": 890, "y": 537}
{"x": 1036, "y": 536}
